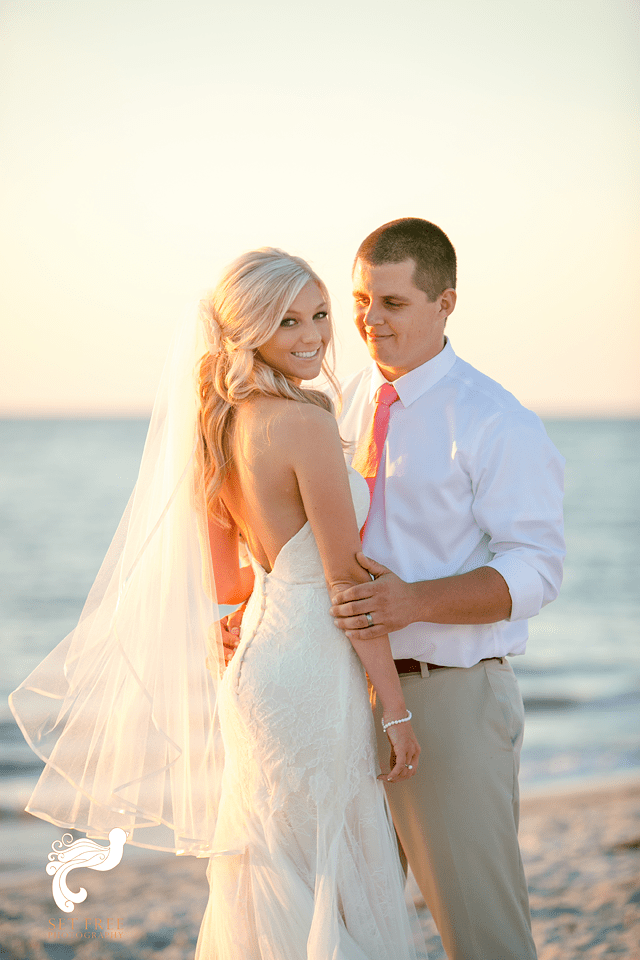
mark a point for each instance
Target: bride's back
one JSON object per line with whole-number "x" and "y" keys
{"x": 260, "y": 490}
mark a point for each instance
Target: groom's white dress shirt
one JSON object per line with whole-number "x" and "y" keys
{"x": 470, "y": 479}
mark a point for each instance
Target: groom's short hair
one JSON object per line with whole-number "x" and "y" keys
{"x": 418, "y": 240}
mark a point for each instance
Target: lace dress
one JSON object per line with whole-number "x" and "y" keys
{"x": 306, "y": 865}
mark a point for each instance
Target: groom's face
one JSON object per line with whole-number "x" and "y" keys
{"x": 401, "y": 327}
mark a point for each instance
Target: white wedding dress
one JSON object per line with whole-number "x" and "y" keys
{"x": 306, "y": 865}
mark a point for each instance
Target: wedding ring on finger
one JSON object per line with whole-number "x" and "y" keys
{"x": 369, "y": 619}
{"x": 409, "y": 766}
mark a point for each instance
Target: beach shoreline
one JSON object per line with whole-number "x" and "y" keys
{"x": 580, "y": 846}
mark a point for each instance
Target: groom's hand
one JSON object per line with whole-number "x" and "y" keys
{"x": 388, "y": 599}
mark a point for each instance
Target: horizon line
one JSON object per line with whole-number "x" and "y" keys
{"x": 556, "y": 413}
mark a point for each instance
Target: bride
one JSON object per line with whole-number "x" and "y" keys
{"x": 269, "y": 767}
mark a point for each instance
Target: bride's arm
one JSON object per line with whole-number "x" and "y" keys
{"x": 233, "y": 582}
{"x": 318, "y": 461}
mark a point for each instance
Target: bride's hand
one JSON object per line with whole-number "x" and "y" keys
{"x": 230, "y": 639}
{"x": 405, "y": 751}
{"x": 230, "y": 629}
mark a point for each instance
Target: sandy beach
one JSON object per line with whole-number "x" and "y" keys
{"x": 581, "y": 851}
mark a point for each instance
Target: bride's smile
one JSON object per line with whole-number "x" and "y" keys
{"x": 298, "y": 346}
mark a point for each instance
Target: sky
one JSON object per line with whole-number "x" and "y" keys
{"x": 146, "y": 143}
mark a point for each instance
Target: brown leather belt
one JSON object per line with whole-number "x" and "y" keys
{"x": 415, "y": 666}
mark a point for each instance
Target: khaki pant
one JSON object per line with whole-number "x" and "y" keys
{"x": 457, "y": 818}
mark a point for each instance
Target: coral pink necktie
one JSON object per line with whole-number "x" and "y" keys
{"x": 369, "y": 452}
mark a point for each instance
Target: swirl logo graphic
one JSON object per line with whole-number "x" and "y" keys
{"x": 69, "y": 854}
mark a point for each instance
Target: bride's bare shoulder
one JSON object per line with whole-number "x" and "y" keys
{"x": 284, "y": 418}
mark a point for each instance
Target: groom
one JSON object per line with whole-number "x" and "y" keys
{"x": 465, "y": 532}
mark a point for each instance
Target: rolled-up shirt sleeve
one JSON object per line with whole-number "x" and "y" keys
{"x": 517, "y": 478}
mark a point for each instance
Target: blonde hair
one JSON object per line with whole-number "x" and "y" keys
{"x": 239, "y": 316}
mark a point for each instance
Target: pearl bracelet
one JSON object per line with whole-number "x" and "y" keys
{"x": 390, "y": 723}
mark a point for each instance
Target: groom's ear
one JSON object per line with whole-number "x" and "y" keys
{"x": 448, "y": 299}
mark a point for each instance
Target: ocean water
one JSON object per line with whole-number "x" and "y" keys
{"x": 64, "y": 485}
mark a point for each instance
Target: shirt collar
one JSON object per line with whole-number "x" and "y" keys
{"x": 412, "y": 385}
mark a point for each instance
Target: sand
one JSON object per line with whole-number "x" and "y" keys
{"x": 581, "y": 851}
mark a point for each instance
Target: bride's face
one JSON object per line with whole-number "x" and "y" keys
{"x": 298, "y": 346}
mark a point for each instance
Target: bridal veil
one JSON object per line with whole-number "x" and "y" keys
{"x": 123, "y": 710}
